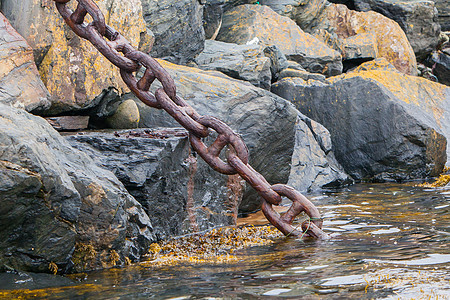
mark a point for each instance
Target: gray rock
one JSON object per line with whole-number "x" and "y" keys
{"x": 313, "y": 163}
{"x": 259, "y": 24}
{"x": 212, "y": 18}
{"x": 266, "y": 122}
{"x": 417, "y": 18}
{"x": 300, "y": 74}
{"x": 246, "y": 62}
{"x": 177, "y": 26}
{"x": 439, "y": 62}
{"x": 20, "y": 84}
{"x": 443, "y": 8}
{"x": 376, "y": 135}
{"x": 180, "y": 193}
{"x": 278, "y": 60}
{"x": 57, "y": 206}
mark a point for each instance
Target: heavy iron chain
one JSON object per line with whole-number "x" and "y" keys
{"x": 120, "y": 53}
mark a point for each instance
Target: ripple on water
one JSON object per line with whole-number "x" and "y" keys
{"x": 432, "y": 259}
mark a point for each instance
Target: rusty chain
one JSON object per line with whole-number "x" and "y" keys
{"x": 129, "y": 60}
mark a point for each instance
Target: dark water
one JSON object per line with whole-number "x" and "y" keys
{"x": 388, "y": 242}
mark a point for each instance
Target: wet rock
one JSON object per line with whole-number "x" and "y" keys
{"x": 71, "y": 68}
{"x": 439, "y": 62}
{"x": 266, "y": 122}
{"x": 418, "y": 19}
{"x": 178, "y": 28}
{"x": 180, "y": 192}
{"x": 126, "y": 116}
{"x": 247, "y": 24}
{"x": 20, "y": 83}
{"x": 334, "y": 23}
{"x": 384, "y": 125}
{"x": 245, "y": 62}
{"x": 58, "y": 206}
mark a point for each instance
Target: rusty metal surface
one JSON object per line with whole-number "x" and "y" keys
{"x": 119, "y": 52}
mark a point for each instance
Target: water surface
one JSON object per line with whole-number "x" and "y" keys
{"x": 389, "y": 241}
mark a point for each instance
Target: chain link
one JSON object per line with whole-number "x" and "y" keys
{"x": 120, "y": 53}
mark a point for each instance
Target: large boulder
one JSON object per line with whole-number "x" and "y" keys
{"x": 384, "y": 125}
{"x": 73, "y": 71}
{"x": 178, "y": 28}
{"x": 335, "y": 23}
{"x": 259, "y": 24}
{"x": 417, "y": 18}
{"x": 179, "y": 192}
{"x": 266, "y": 122}
{"x": 246, "y": 62}
{"x": 58, "y": 208}
{"x": 20, "y": 83}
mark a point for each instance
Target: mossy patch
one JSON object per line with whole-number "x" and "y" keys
{"x": 441, "y": 181}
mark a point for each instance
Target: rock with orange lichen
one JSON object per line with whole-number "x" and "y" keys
{"x": 20, "y": 84}
{"x": 417, "y": 18}
{"x": 384, "y": 125}
{"x": 334, "y": 24}
{"x": 247, "y": 24}
{"x": 71, "y": 68}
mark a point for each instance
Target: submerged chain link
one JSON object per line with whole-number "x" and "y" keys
{"x": 120, "y": 53}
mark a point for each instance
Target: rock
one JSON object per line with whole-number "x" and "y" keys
{"x": 443, "y": 8}
{"x": 72, "y": 69}
{"x": 417, "y": 18}
{"x": 259, "y": 24}
{"x": 439, "y": 62}
{"x": 58, "y": 206}
{"x": 376, "y": 64}
{"x": 384, "y": 125}
{"x": 31, "y": 18}
{"x": 246, "y": 62}
{"x": 69, "y": 123}
{"x": 126, "y": 116}
{"x": 266, "y": 122}
{"x": 178, "y": 28}
{"x": 334, "y": 23}
{"x": 20, "y": 83}
{"x": 180, "y": 193}
{"x": 278, "y": 60}
{"x": 212, "y": 18}
{"x": 313, "y": 163}
{"x": 301, "y": 74}
{"x": 358, "y": 49}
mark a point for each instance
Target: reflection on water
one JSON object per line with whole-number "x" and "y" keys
{"x": 388, "y": 242}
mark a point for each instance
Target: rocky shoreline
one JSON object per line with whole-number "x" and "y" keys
{"x": 324, "y": 94}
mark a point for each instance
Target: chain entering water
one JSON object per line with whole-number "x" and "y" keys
{"x": 129, "y": 60}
